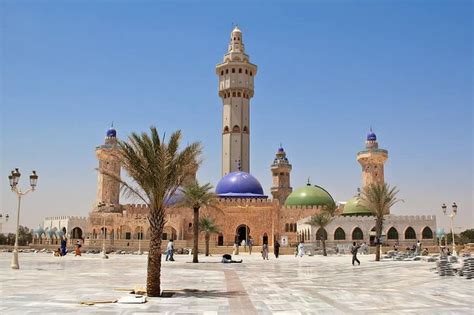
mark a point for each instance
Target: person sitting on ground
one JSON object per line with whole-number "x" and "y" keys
{"x": 57, "y": 252}
{"x": 77, "y": 250}
{"x": 227, "y": 259}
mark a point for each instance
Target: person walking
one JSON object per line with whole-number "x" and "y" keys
{"x": 301, "y": 249}
{"x": 276, "y": 249}
{"x": 170, "y": 250}
{"x": 250, "y": 244}
{"x": 354, "y": 249}
{"x": 265, "y": 251}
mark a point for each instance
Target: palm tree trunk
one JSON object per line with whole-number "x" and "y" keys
{"x": 196, "y": 235}
{"x": 378, "y": 234}
{"x": 323, "y": 240}
{"x": 153, "y": 285}
{"x": 208, "y": 236}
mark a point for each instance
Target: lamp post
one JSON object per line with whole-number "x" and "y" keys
{"x": 101, "y": 205}
{"x": 451, "y": 216}
{"x": 439, "y": 235}
{"x": 14, "y": 178}
{"x": 3, "y": 219}
{"x": 140, "y": 233}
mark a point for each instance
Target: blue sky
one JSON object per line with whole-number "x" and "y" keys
{"x": 328, "y": 70}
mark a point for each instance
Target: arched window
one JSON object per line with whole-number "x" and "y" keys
{"x": 339, "y": 234}
{"x": 251, "y": 74}
{"x": 226, "y": 71}
{"x": 236, "y": 128}
{"x": 321, "y": 234}
{"x": 392, "y": 234}
{"x": 287, "y": 227}
{"x": 240, "y": 70}
{"x": 246, "y": 130}
{"x": 265, "y": 238}
{"x": 226, "y": 129}
{"x": 427, "y": 233}
{"x": 222, "y": 72}
{"x": 293, "y": 229}
{"x": 246, "y": 71}
{"x": 239, "y": 94}
{"x": 233, "y": 70}
{"x": 233, "y": 94}
{"x": 410, "y": 234}
{"x": 357, "y": 234}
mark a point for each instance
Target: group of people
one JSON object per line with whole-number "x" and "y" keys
{"x": 62, "y": 251}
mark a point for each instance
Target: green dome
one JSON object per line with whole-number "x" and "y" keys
{"x": 354, "y": 207}
{"x": 309, "y": 196}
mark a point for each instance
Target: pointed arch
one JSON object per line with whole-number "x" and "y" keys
{"x": 427, "y": 233}
{"x": 392, "y": 233}
{"x": 236, "y": 128}
{"x": 339, "y": 234}
{"x": 410, "y": 233}
{"x": 357, "y": 234}
{"x": 226, "y": 129}
{"x": 321, "y": 234}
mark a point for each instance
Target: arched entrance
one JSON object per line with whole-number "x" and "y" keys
{"x": 77, "y": 233}
{"x": 242, "y": 233}
{"x": 265, "y": 238}
{"x": 169, "y": 233}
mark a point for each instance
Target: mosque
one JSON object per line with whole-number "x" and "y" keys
{"x": 245, "y": 210}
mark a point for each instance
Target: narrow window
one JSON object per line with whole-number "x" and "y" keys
{"x": 240, "y": 70}
{"x": 246, "y": 71}
{"x": 251, "y": 74}
{"x": 226, "y": 71}
{"x": 233, "y": 70}
{"x": 222, "y": 72}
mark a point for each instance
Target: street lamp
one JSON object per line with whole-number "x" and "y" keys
{"x": 101, "y": 205}
{"x": 140, "y": 233}
{"x": 453, "y": 213}
{"x": 14, "y": 178}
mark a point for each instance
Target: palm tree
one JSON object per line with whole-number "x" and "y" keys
{"x": 321, "y": 220}
{"x": 195, "y": 196}
{"x": 379, "y": 198}
{"x": 156, "y": 169}
{"x": 207, "y": 225}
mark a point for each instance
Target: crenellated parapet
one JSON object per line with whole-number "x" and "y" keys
{"x": 246, "y": 201}
{"x": 66, "y": 217}
{"x": 315, "y": 208}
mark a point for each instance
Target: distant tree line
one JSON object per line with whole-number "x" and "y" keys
{"x": 24, "y": 237}
{"x": 462, "y": 238}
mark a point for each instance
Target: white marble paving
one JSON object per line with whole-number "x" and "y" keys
{"x": 288, "y": 285}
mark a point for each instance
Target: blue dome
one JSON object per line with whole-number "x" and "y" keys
{"x": 111, "y": 133}
{"x": 371, "y": 136}
{"x": 239, "y": 184}
{"x": 280, "y": 149}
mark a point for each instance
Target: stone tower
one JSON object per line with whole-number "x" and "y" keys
{"x": 281, "y": 169}
{"x": 108, "y": 189}
{"x": 236, "y": 75}
{"x": 372, "y": 160}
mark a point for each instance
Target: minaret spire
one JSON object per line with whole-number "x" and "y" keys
{"x": 236, "y": 75}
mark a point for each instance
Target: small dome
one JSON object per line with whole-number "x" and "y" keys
{"x": 39, "y": 231}
{"x": 354, "y": 207}
{"x": 371, "y": 136}
{"x": 239, "y": 184}
{"x": 310, "y": 196}
{"x": 111, "y": 133}
{"x": 280, "y": 149}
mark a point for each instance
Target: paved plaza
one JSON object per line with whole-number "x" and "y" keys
{"x": 288, "y": 285}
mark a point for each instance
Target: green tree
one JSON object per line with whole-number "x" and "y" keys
{"x": 207, "y": 225}
{"x": 379, "y": 198}
{"x": 196, "y": 196}
{"x": 156, "y": 169}
{"x": 25, "y": 236}
{"x": 467, "y": 236}
{"x": 3, "y": 239}
{"x": 321, "y": 220}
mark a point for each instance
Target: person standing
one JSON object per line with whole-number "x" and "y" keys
{"x": 418, "y": 248}
{"x": 250, "y": 244}
{"x": 354, "y": 249}
{"x": 63, "y": 246}
{"x": 170, "y": 250}
{"x": 276, "y": 249}
{"x": 265, "y": 251}
{"x": 301, "y": 249}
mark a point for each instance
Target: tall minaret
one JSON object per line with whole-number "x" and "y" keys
{"x": 281, "y": 169}
{"x": 108, "y": 189}
{"x": 372, "y": 160}
{"x": 236, "y": 76}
